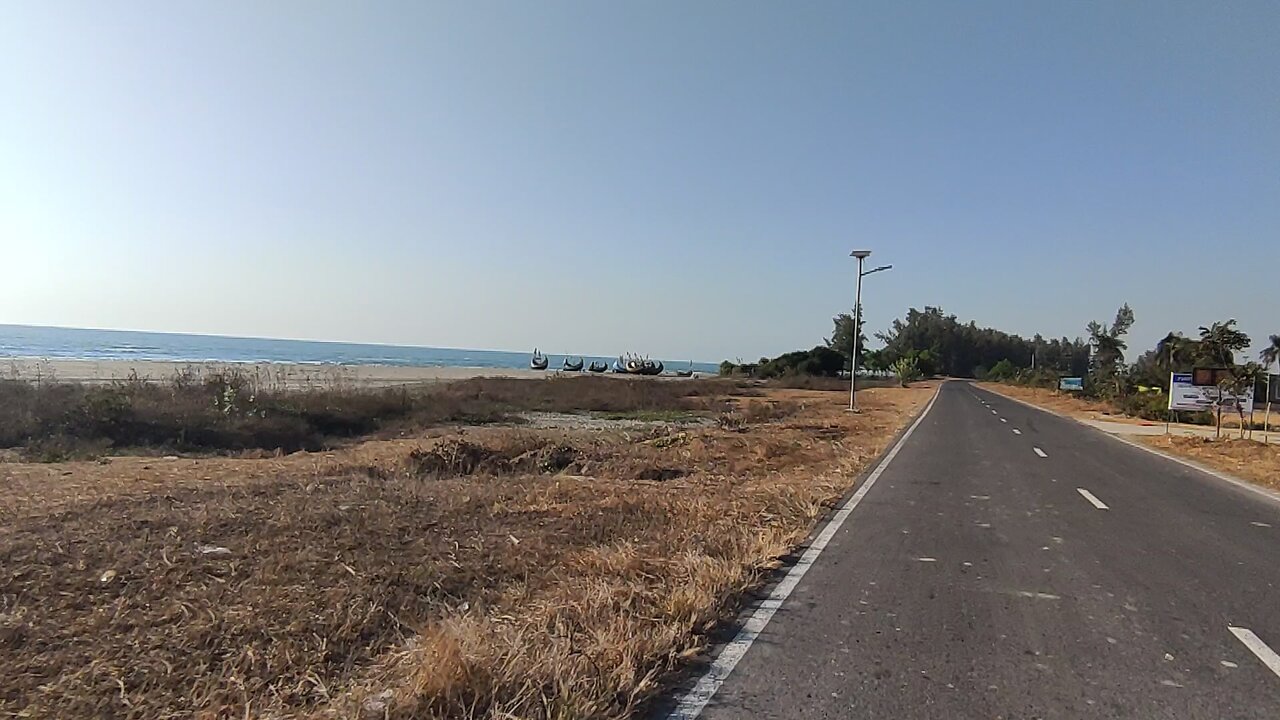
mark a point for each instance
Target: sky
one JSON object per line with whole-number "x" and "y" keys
{"x": 681, "y": 179}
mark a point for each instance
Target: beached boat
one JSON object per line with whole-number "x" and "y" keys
{"x": 572, "y": 366}
{"x": 636, "y": 365}
{"x": 538, "y": 361}
{"x": 686, "y": 373}
{"x": 597, "y": 367}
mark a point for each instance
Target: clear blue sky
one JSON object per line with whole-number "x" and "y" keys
{"x": 684, "y": 179}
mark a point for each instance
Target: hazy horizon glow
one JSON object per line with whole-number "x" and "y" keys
{"x": 681, "y": 180}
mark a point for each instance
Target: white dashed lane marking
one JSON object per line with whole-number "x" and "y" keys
{"x": 1039, "y": 452}
{"x": 1016, "y": 431}
{"x": 1092, "y": 499}
{"x": 1257, "y": 647}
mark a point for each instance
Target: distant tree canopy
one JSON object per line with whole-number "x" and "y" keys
{"x": 942, "y": 345}
{"x": 930, "y": 342}
{"x": 821, "y": 361}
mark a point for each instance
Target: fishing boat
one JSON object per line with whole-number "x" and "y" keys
{"x": 572, "y": 366}
{"x": 636, "y": 365}
{"x": 597, "y": 367}
{"x": 538, "y": 361}
{"x": 686, "y": 373}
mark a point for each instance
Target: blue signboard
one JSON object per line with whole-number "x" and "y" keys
{"x": 1074, "y": 384}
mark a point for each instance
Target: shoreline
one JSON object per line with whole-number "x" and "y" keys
{"x": 278, "y": 374}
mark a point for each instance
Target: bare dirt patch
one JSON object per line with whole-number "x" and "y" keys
{"x": 487, "y": 572}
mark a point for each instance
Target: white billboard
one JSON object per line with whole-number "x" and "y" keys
{"x": 1185, "y": 396}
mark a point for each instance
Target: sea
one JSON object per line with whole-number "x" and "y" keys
{"x": 27, "y": 341}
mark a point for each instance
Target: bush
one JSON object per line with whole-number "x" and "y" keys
{"x": 1001, "y": 371}
{"x": 227, "y": 412}
{"x": 1148, "y": 406}
{"x": 907, "y": 370}
{"x": 821, "y": 361}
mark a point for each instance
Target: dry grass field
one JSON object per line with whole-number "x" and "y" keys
{"x": 428, "y": 567}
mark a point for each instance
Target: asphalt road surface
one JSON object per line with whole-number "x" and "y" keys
{"x": 1009, "y": 563}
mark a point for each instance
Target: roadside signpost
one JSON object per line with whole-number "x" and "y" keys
{"x": 1071, "y": 384}
{"x": 1187, "y": 393}
{"x": 1184, "y": 395}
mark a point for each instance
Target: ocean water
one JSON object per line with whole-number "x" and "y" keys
{"x": 23, "y": 341}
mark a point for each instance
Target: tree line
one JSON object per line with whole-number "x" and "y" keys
{"x": 931, "y": 342}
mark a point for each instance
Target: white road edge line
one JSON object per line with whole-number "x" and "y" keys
{"x": 1259, "y": 648}
{"x": 1039, "y": 452}
{"x": 1242, "y": 484}
{"x": 1093, "y": 499}
{"x": 1016, "y": 431}
{"x": 696, "y": 699}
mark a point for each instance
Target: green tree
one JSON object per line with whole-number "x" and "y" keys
{"x": 1219, "y": 343}
{"x": 841, "y": 339}
{"x": 1003, "y": 370}
{"x": 1240, "y": 381}
{"x": 1108, "y": 345}
{"x": 958, "y": 349}
{"x": 875, "y": 361}
{"x": 1271, "y": 353}
{"x": 1176, "y": 353}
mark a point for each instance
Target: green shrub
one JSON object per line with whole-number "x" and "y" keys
{"x": 907, "y": 370}
{"x": 1001, "y": 371}
{"x": 229, "y": 413}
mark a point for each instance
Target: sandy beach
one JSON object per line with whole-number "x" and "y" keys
{"x": 290, "y": 375}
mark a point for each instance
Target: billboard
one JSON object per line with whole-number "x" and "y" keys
{"x": 1184, "y": 394}
{"x": 1209, "y": 376}
{"x": 1073, "y": 384}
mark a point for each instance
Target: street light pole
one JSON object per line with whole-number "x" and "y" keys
{"x": 857, "y": 325}
{"x": 857, "y": 330}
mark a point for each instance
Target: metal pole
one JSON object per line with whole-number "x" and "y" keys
{"x": 857, "y": 330}
{"x": 1266, "y": 419}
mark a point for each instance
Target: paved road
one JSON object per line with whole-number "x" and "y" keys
{"x": 976, "y": 580}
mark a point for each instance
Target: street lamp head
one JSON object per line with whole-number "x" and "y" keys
{"x": 860, "y": 254}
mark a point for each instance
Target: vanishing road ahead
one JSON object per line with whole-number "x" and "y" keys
{"x": 1010, "y": 563}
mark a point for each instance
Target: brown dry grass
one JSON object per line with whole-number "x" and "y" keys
{"x": 234, "y": 411}
{"x": 1061, "y": 402}
{"x": 1246, "y": 459}
{"x": 464, "y": 572}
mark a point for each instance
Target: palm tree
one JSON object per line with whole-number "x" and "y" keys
{"x": 1175, "y": 351}
{"x": 1219, "y": 342}
{"x": 1271, "y": 353}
